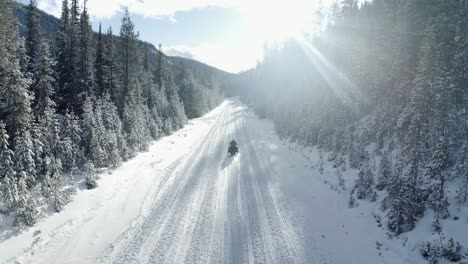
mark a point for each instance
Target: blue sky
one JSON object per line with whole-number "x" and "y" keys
{"x": 228, "y": 34}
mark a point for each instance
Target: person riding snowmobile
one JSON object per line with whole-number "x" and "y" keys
{"x": 233, "y": 150}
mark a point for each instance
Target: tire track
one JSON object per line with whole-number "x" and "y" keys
{"x": 135, "y": 243}
{"x": 210, "y": 208}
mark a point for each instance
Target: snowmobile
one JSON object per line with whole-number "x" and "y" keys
{"x": 233, "y": 150}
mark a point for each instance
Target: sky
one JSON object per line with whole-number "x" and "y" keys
{"x": 227, "y": 34}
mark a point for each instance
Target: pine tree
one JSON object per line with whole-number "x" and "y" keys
{"x": 384, "y": 172}
{"x": 44, "y": 80}
{"x": 8, "y": 190}
{"x": 92, "y": 131}
{"x": 25, "y": 209}
{"x": 91, "y": 182}
{"x": 151, "y": 94}
{"x": 462, "y": 192}
{"x": 87, "y": 53}
{"x": 72, "y": 87}
{"x": 175, "y": 110}
{"x": 15, "y": 99}
{"x": 24, "y": 158}
{"x": 110, "y": 68}
{"x": 435, "y": 171}
{"x": 38, "y": 146}
{"x": 71, "y": 135}
{"x": 48, "y": 184}
{"x": 33, "y": 36}
{"x": 128, "y": 57}
{"x": 134, "y": 119}
{"x": 364, "y": 182}
{"x": 99, "y": 64}
{"x": 113, "y": 136}
{"x": 63, "y": 66}
{"x": 52, "y": 184}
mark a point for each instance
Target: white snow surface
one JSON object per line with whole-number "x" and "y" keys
{"x": 187, "y": 201}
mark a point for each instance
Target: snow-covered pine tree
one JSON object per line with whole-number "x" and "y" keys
{"x": 52, "y": 184}
{"x": 92, "y": 131}
{"x": 364, "y": 182}
{"x": 134, "y": 123}
{"x": 24, "y": 158}
{"x": 48, "y": 183}
{"x": 15, "y": 99}
{"x": 452, "y": 251}
{"x": 44, "y": 83}
{"x": 70, "y": 134}
{"x": 99, "y": 65}
{"x": 408, "y": 201}
{"x": 385, "y": 170}
{"x": 38, "y": 146}
{"x": 406, "y": 205}
{"x": 90, "y": 171}
{"x": 175, "y": 111}
{"x": 61, "y": 197}
{"x": 128, "y": 59}
{"x": 63, "y": 66}
{"x": 462, "y": 192}
{"x": 110, "y": 68}
{"x": 8, "y": 191}
{"x": 87, "y": 52}
{"x": 26, "y": 212}
{"x": 100, "y": 134}
{"x": 113, "y": 131}
{"x": 150, "y": 94}
{"x": 33, "y": 36}
{"x": 435, "y": 172}
{"x": 71, "y": 88}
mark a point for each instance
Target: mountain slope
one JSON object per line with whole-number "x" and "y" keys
{"x": 50, "y": 24}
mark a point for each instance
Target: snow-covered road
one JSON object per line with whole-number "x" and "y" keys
{"x": 186, "y": 201}
{"x": 213, "y": 208}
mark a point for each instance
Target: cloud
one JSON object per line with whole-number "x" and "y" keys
{"x": 179, "y": 52}
{"x": 52, "y": 7}
{"x": 232, "y": 59}
{"x": 145, "y": 8}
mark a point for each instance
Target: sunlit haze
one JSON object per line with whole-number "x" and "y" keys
{"x": 227, "y": 34}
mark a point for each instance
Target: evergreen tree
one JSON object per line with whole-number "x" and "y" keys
{"x": 384, "y": 172}
{"x": 25, "y": 209}
{"x": 91, "y": 182}
{"x": 128, "y": 57}
{"x": 134, "y": 119}
{"x": 24, "y": 158}
{"x": 110, "y": 68}
{"x": 33, "y": 35}
{"x": 435, "y": 171}
{"x": 8, "y": 190}
{"x": 72, "y": 89}
{"x": 15, "y": 99}
{"x": 364, "y": 182}
{"x": 113, "y": 138}
{"x": 52, "y": 183}
{"x": 92, "y": 130}
{"x": 87, "y": 53}
{"x": 44, "y": 80}
{"x": 100, "y": 81}
{"x": 71, "y": 135}
{"x": 63, "y": 66}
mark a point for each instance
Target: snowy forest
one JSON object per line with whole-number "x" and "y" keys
{"x": 383, "y": 90}
{"x": 74, "y": 101}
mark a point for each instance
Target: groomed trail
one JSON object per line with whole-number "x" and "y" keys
{"x": 213, "y": 208}
{"x": 187, "y": 201}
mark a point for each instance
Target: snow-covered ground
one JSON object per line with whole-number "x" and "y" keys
{"x": 186, "y": 201}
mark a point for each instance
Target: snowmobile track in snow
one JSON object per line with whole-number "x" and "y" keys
{"x": 209, "y": 209}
